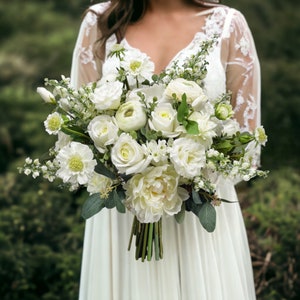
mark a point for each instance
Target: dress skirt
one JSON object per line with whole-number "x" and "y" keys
{"x": 197, "y": 265}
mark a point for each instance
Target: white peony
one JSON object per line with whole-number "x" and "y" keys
{"x": 76, "y": 163}
{"x": 99, "y": 184}
{"x": 194, "y": 93}
{"x": 131, "y": 116}
{"x": 53, "y": 123}
{"x": 103, "y": 131}
{"x": 164, "y": 119}
{"x": 188, "y": 157}
{"x": 154, "y": 193}
{"x": 47, "y": 96}
{"x": 107, "y": 95}
{"x": 129, "y": 156}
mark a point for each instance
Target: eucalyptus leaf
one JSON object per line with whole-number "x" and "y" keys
{"x": 101, "y": 169}
{"x": 196, "y": 197}
{"x": 118, "y": 197}
{"x": 110, "y": 201}
{"x": 207, "y": 217}
{"x": 179, "y": 217}
{"x": 92, "y": 206}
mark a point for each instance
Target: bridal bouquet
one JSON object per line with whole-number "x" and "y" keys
{"x": 150, "y": 144}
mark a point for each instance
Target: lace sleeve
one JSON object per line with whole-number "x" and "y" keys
{"x": 242, "y": 71}
{"x": 85, "y": 66}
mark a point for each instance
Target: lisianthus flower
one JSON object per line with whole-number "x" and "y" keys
{"x": 99, "y": 184}
{"x": 107, "y": 95}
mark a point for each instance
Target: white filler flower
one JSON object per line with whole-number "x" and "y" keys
{"x": 153, "y": 193}
{"x": 76, "y": 163}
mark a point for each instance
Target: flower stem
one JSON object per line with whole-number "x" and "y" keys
{"x": 150, "y": 242}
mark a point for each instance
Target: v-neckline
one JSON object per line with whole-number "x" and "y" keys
{"x": 178, "y": 53}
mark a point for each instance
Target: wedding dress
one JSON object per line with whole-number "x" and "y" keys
{"x": 196, "y": 264}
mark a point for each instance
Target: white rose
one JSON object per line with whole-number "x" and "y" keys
{"x": 107, "y": 95}
{"x": 47, "y": 96}
{"x": 154, "y": 193}
{"x": 188, "y": 157}
{"x": 103, "y": 131}
{"x": 129, "y": 156}
{"x": 131, "y": 116}
{"x": 194, "y": 93}
{"x": 164, "y": 119}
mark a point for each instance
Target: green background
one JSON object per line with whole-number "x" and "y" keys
{"x": 41, "y": 231}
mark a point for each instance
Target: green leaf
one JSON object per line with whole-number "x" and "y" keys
{"x": 110, "y": 202}
{"x": 207, "y": 217}
{"x": 183, "y": 109}
{"x": 101, "y": 169}
{"x": 196, "y": 197}
{"x": 179, "y": 217}
{"x": 92, "y": 206}
{"x": 192, "y": 127}
{"x": 118, "y": 197}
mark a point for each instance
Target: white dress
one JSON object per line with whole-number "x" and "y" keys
{"x": 196, "y": 264}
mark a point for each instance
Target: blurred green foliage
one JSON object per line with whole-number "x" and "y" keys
{"x": 41, "y": 230}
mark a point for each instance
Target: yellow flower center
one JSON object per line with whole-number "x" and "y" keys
{"x": 54, "y": 123}
{"x": 75, "y": 163}
{"x": 135, "y": 65}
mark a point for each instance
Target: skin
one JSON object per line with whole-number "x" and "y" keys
{"x": 167, "y": 27}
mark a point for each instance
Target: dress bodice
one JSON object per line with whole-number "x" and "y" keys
{"x": 232, "y": 64}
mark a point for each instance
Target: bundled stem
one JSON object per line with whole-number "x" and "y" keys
{"x": 148, "y": 239}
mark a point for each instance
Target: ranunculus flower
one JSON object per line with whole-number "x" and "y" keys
{"x": 188, "y": 157}
{"x": 131, "y": 116}
{"x": 47, "y": 96}
{"x": 53, "y": 123}
{"x": 223, "y": 111}
{"x": 194, "y": 93}
{"x": 103, "y": 131}
{"x": 129, "y": 156}
{"x": 76, "y": 163}
{"x": 107, "y": 95}
{"x": 164, "y": 119}
{"x": 154, "y": 193}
